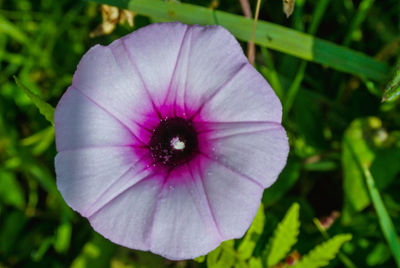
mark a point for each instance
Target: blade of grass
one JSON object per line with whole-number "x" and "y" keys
{"x": 384, "y": 219}
{"x": 387, "y": 226}
{"x": 358, "y": 19}
{"x": 45, "y": 109}
{"x": 294, "y": 88}
{"x": 12, "y": 30}
{"x": 267, "y": 34}
{"x": 270, "y": 73}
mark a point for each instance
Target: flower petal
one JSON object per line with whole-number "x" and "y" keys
{"x": 257, "y": 150}
{"x": 127, "y": 219}
{"x": 209, "y": 58}
{"x": 81, "y": 123}
{"x": 183, "y": 225}
{"x": 101, "y": 76}
{"x": 233, "y": 198}
{"x": 83, "y": 176}
{"x": 154, "y": 50}
{"x": 245, "y": 97}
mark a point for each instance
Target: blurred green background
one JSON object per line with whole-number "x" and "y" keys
{"x": 344, "y": 165}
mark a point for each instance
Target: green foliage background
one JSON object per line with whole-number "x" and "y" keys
{"x": 329, "y": 64}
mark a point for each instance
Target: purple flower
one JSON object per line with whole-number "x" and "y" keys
{"x": 167, "y": 139}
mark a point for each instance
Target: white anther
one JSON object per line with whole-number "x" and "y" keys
{"x": 177, "y": 144}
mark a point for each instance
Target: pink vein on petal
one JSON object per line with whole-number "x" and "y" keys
{"x": 118, "y": 64}
{"x": 125, "y": 190}
{"x": 114, "y": 183}
{"x": 141, "y": 78}
{"x": 149, "y": 239}
{"x": 176, "y": 65}
{"x": 211, "y": 126}
{"x": 233, "y": 170}
{"x": 103, "y": 147}
{"x": 108, "y": 112}
{"x": 187, "y": 73}
{"x": 207, "y": 199}
{"x": 215, "y": 93}
{"x": 243, "y": 133}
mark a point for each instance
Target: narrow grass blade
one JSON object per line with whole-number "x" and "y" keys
{"x": 294, "y": 88}
{"x": 45, "y": 109}
{"x": 270, "y": 35}
{"x": 358, "y": 19}
{"x": 12, "y": 30}
{"x": 384, "y": 219}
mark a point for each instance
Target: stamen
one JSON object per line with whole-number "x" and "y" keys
{"x": 177, "y": 144}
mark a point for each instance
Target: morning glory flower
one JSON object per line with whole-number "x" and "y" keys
{"x": 167, "y": 139}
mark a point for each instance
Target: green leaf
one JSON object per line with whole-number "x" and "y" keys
{"x": 246, "y": 248}
{"x": 285, "y": 236}
{"x": 44, "y": 108}
{"x": 267, "y": 34}
{"x": 385, "y": 166}
{"x": 356, "y": 193}
{"x": 392, "y": 91}
{"x": 222, "y": 257}
{"x": 379, "y": 254}
{"x": 323, "y": 253}
{"x": 10, "y": 190}
{"x": 63, "y": 237}
{"x": 95, "y": 253}
{"x": 11, "y": 230}
{"x": 255, "y": 262}
{"x": 200, "y": 259}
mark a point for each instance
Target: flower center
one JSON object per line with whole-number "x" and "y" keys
{"x": 174, "y": 142}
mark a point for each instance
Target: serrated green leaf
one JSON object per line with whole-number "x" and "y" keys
{"x": 200, "y": 259}
{"x": 392, "y": 91}
{"x": 222, "y": 257}
{"x": 285, "y": 236}
{"x": 44, "y": 108}
{"x": 255, "y": 262}
{"x": 246, "y": 248}
{"x": 323, "y": 253}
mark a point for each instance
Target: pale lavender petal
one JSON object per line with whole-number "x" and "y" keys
{"x": 103, "y": 78}
{"x": 127, "y": 219}
{"x": 81, "y": 123}
{"x": 184, "y": 225}
{"x": 154, "y": 51}
{"x": 257, "y": 150}
{"x": 234, "y": 198}
{"x": 209, "y": 58}
{"x": 245, "y": 97}
{"x": 83, "y": 175}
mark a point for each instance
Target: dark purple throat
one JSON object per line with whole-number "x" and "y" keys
{"x": 174, "y": 142}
